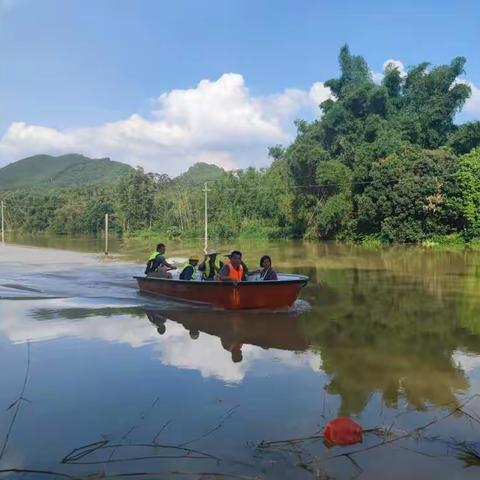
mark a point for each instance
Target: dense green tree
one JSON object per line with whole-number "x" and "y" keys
{"x": 469, "y": 187}
{"x": 410, "y": 196}
{"x": 373, "y": 130}
{"x": 465, "y": 138}
{"x": 135, "y": 197}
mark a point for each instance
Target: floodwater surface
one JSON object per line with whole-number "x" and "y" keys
{"x": 99, "y": 381}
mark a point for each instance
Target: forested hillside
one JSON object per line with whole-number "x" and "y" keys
{"x": 199, "y": 173}
{"x": 45, "y": 171}
{"x": 383, "y": 161}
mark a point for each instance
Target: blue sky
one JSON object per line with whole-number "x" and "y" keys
{"x": 89, "y": 74}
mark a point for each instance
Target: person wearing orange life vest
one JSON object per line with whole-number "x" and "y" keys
{"x": 233, "y": 271}
{"x": 246, "y": 272}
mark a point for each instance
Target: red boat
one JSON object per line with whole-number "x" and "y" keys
{"x": 275, "y": 294}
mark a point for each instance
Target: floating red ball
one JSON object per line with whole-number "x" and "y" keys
{"x": 342, "y": 431}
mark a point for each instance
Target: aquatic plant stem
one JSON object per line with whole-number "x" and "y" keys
{"x": 40, "y": 472}
{"x": 17, "y": 403}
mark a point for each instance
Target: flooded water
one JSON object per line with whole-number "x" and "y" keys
{"x": 98, "y": 381}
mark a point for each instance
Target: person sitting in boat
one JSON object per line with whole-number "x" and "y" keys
{"x": 189, "y": 271}
{"x": 210, "y": 265}
{"x": 266, "y": 271}
{"x": 157, "y": 264}
{"x": 233, "y": 271}
{"x": 245, "y": 268}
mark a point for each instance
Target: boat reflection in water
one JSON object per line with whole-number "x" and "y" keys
{"x": 235, "y": 329}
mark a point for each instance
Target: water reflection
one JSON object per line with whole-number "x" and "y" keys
{"x": 235, "y": 329}
{"x": 370, "y": 338}
{"x": 227, "y": 345}
{"x": 224, "y": 345}
{"x": 389, "y": 331}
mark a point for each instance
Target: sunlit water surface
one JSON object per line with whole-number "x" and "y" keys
{"x": 98, "y": 380}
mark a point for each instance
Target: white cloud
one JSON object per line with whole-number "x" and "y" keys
{"x": 471, "y": 109}
{"x": 377, "y": 77}
{"x": 217, "y": 121}
{"x": 319, "y": 93}
{"x": 472, "y": 105}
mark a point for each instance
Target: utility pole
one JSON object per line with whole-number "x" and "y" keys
{"x": 3, "y": 225}
{"x": 106, "y": 234}
{"x": 206, "y": 190}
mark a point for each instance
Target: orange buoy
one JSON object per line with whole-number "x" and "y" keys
{"x": 342, "y": 431}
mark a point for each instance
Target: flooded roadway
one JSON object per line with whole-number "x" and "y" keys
{"x": 99, "y": 381}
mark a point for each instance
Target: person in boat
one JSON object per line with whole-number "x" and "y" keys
{"x": 157, "y": 264}
{"x": 245, "y": 268}
{"x": 210, "y": 266}
{"x": 233, "y": 271}
{"x": 266, "y": 271}
{"x": 189, "y": 271}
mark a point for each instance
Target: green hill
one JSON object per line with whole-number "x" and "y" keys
{"x": 200, "y": 173}
{"x": 46, "y": 171}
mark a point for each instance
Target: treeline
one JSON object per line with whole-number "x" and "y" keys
{"x": 385, "y": 161}
{"x": 255, "y": 203}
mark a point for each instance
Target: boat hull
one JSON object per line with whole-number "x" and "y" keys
{"x": 245, "y": 295}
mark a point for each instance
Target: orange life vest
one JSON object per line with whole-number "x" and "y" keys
{"x": 235, "y": 274}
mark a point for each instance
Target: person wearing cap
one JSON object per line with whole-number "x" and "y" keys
{"x": 189, "y": 271}
{"x": 210, "y": 265}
